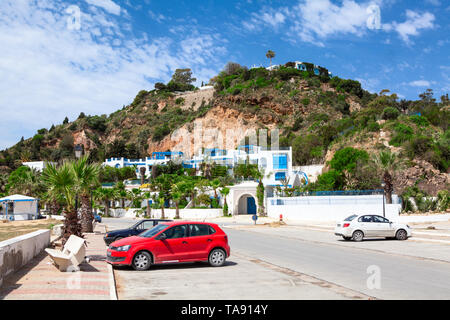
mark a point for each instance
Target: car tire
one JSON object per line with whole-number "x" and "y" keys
{"x": 401, "y": 235}
{"x": 347, "y": 238}
{"x": 141, "y": 261}
{"x": 358, "y": 236}
{"x": 217, "y": 257}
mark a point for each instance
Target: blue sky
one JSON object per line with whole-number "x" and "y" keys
{"x": 60, "y": 58}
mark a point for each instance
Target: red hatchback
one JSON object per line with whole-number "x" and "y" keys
{"x": 172, "y": 242}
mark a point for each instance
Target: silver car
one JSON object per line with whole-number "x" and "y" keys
{"x": 358, "y": 227}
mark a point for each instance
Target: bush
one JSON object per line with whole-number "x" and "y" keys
{"x": 418, "y": 146}
{"x": 161, "y": 132}
{"x": 373, "y": 126}
{"x": 390, "y": 113}
{"x": 402, "y": 133}
{"x": 329, "y": 181}
{"x": 348, "y": 158}
{"x": 97, "y": 123}
{"x": 419, "y": 121}
{"x": 443, "y": 201}
{"x": 179, "y": 101}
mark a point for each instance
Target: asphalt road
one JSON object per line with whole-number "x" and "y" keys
{"x": 376, "y": 274}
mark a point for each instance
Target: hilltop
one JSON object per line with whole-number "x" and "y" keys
{"x": 316, "y": 115}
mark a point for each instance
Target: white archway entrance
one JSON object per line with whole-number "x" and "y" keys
{"x": 243, "y": 198}
{"x": 247, "y": 204}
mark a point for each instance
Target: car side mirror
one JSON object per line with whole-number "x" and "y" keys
{"x": 162, "y": 236}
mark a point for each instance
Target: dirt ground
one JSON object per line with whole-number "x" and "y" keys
{"x": 11, "y": 229}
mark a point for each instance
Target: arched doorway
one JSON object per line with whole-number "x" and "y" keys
{"x": 247, "y": 204}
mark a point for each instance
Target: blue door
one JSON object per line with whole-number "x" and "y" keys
{"x": 251, "y": 205}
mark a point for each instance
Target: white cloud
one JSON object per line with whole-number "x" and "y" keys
{"x": 415, "y": 22}
{"x": 314, "y": 21}
{"x": 434, "y": 2}
{"x": 420, "y": 83}
{"x": 49, "y": 72}
{"x": 108, "y": 5}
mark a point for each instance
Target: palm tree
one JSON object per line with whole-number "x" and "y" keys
{"x": 104, "y": 195}
{"x": 387, "y": 162}
{"x": 225, "y": 191}
{"x": 161, "y": 203}
{"x": 215, "y": 184}
{"x": 147, "y": 196}
{"x": 86, "y": 179}
{"x": 25, "y": 181}
{"x": 142, "y": 173}
{"x": 270, "y": 55}
{"x": 176, "y": 197}
{"x": 61, "y": 184}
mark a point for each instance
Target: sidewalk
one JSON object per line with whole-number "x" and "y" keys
{"x": 41, "y": 280}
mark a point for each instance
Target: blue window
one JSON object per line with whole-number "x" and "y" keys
{"x": 280, "y": 176}
{"x": 280, "y": 161}
{"x": 316, "y": 71}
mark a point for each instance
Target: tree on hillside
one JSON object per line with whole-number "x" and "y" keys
{"x": 270, "y": 55}
{"x": 183, "y": 77}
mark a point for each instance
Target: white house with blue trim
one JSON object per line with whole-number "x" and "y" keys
{"x": 19, "y": 207}
{"x": 277, "y": 164}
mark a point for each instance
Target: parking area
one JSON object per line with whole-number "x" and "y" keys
{"x": 241, "y": 278}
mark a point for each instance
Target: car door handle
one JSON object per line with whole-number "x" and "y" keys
{"x": 184, "y": 242}
{"x": 209, "y": 240}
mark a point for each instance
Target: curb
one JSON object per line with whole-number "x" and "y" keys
{"x": 111, "y": 278}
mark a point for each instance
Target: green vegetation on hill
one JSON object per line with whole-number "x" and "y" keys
{"x": 316, "y": 115}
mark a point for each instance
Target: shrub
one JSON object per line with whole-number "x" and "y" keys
{"x": 348, "y": 158}
{"x": 329, "y": 181}
{"x": 161, "y": 132}
{"x": 402, "y": 133}
{"x": 418, "y": 146}
{"x": 373, "y": 126}
{"x": 179, "y": 101}
{"x": 390, "y": 113}
{"x": 419, "y": 120}
{"x": 443, "y": 201}
{"x": 97, "y": 123}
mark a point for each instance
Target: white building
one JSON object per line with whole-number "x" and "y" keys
{"x": 277, "y": 164}
{"x": 19, "y": 207}
{"x": 37, "y": 165}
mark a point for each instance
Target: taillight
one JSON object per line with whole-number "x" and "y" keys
{"x": 226, "y": 238}
{"x": 346, "y": 225}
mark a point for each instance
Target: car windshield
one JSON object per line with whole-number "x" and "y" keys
{"x": 351, "y": 218}
{"x": 153, "y": 231}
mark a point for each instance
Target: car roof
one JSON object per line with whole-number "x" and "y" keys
{"x": 173, "y": 223}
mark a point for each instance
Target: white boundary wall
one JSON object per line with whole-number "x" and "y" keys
{"x": 331, "y": 208}
{"x": 18, "y": 251}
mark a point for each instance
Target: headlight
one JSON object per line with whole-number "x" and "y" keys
{"x": 123, "y": 248}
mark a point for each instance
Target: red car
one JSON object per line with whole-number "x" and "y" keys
{"x": 172, "y": 242}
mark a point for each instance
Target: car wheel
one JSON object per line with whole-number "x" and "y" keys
{"x": 358, "y": 236}
{"x": 347, "y": 238}
{"x": 217, "y": 258}
{"x": 401, "y": 235}
{"x": 142, "y": 261}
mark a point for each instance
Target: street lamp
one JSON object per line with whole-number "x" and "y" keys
{"x": 383, "y": 185}
{"x": 78, "y": 151}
